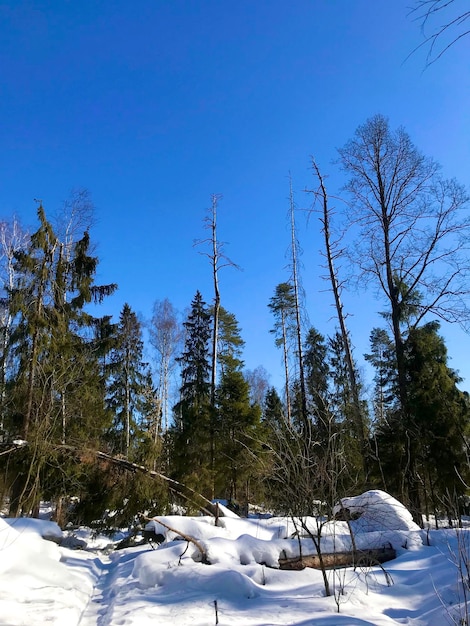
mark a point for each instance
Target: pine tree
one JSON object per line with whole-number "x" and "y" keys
{"x": 230, "y": 343}
{"x": 282, "y": 306}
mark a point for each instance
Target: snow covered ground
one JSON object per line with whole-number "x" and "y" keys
{"x": 44, "y": 583}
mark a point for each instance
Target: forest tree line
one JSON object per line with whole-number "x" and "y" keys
{"x": 73, "y": 383}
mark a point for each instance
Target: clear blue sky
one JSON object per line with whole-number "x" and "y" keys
{"x": 154, "y": 105}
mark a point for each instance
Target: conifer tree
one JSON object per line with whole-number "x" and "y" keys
{"x": 440, "y": 420}
{"x": 282, "y": 306}
{"x": 53, "y": 357}
{"x": 237, "y": 425}
{"x": 230, "y": 343}
{"x": 344, "y": 406}
{"x": 382, "y": 358}
{"x": 126, "y": 395}
{"x": 237, "y": 438}
{"x": 273, "y": 410}
{"x": 317, "y": 373}
{"x": 191, "y": 436}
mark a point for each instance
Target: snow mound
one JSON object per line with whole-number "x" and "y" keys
{"x": 375, "y": 511}
{"x": 40, "y": 527}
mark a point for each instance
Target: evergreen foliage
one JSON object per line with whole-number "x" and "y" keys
{"x": 128, "y": 385}
{"x": 237, "y": 439}
{"x": 54, "y": 388}
{"x": 75, "y": 390}
{"x": 191, "y": 434}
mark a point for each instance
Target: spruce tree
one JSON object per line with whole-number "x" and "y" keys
{"x": 440, "y": 420}
{"x": 237, "y": 438}
{"x": 317, "y": 373}
{"x": 129, "y": 376}
{"x": 51, "y": 397}
{"x": 237, "y": 425}
{"x": 382, "y": 359}
{"x": 191, "y": 434}
{"x": 273, "y": 409}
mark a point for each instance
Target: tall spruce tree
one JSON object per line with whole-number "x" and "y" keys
{"x": 126, "y": 394}
{"x": 317, "y": 373}
{"x": 191, "y": 434}
{"x": 237, "y": 425}
{"x": 47, "y": 403}
{"x": 440, "y": 420}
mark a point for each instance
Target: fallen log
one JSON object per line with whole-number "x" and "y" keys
{"x": 174, "y": 486}
{"x": 333, "y": 560}
{"x": 184, "y": 536}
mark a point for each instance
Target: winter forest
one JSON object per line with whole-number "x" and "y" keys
{"x": 88, "y": 424}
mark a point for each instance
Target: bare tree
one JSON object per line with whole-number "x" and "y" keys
{"x": 332, "y": 253}
{"x": 447, "y": 22}
{"x": 165, "y": 336}
{"x": 258, "y": 379}
{"x": 12, "y": 239}
{"x": 295, "y": 281}
{"x": 304, "y": 481}
{"x": 74, "y": 218}
{"x": 412, "y": 238}
{"x": 218, "y": 260}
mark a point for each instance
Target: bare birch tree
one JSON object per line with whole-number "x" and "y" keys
{"x": 74, "y": 218}
{"x": 12, "y": 239}
{"x": 165, "y": 336}
{"x": 412, "y": 238}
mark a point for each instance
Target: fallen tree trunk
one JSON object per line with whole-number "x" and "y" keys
{"x": 175, "y": 487}
{"x": 188, "y": 494}
{"x": 357, "y": 558}
{"x": 184, "y": 536}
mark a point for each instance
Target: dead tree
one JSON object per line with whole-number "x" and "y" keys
{"x": 297, "y": 308}
{"x": 331, "y": 255}
{"x": 217, "y": 260}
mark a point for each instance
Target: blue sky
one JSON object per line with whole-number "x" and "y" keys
{"x": 155, "y": 105}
